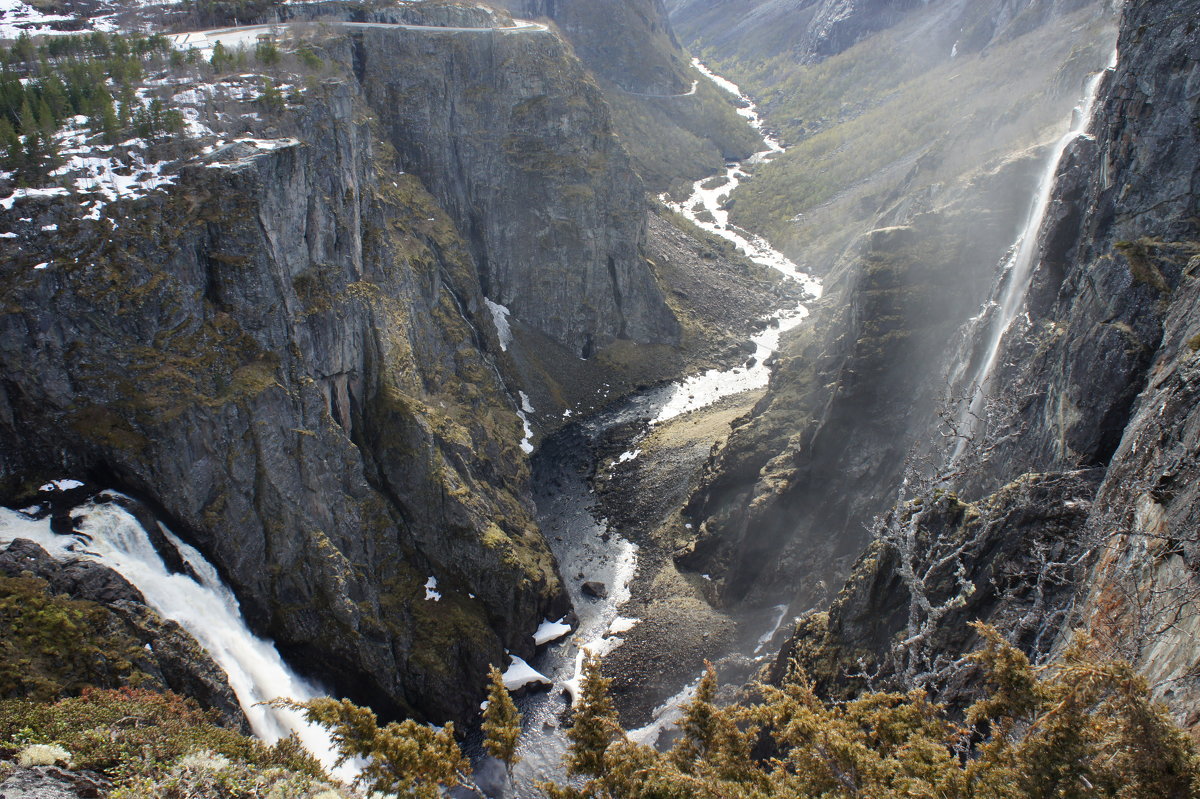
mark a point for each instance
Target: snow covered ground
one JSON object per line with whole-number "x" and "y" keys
{"x": 17, "y": 17}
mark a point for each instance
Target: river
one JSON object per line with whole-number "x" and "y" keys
{"x": 586, "y": 547}
{"x": 583, "y": 541}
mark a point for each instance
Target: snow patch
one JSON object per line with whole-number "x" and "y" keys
{"x": 19, "y": 194}
{"x": 60, "y": 485}
{"x": 522, "y": 412}
{"x": 500, "y": 318}
{"x": 549, "y": 631}
{"x": 520, "y": 674}
{"x": 430, "y": 593}
{"x": 621, "y": 624}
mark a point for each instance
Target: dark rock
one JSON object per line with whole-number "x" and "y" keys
{"x": 184, "y": 665}
{"x": 327, "y": 424}
{"x": 165, "y": 655}
{"x": 594, "y": 589}
{"x": 52, "y": 782}
{"x": 80, "y": 579}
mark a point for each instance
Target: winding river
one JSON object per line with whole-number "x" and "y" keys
{"x": 586, "y": 546}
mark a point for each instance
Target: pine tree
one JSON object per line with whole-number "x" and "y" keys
{"x": 594, "y": 724}
{"x": 271, "y": 98}
{"x": 699, "y": 724}
{"x": 45, "y": 119}
{"x": 405, "y": 758}
{"x": 29, "y": 123}
{"x": 501, "y": 722}
{"x": 9, "y": 140}
{"x": 104, "y": 117}
{"x": 220, "y": 58}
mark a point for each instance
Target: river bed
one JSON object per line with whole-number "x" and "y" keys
{"x": 570, "y": 515}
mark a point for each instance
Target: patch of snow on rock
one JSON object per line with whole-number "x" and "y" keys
{"x": 520, "y": 674}
{"x": 549, "y": 631}
{"x": 500, "y": 318}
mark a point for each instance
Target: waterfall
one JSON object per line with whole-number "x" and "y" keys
{"x": 206, "y": 608}
{"x": 1009, "y": 296}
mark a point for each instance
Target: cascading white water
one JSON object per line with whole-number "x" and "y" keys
{"x": 706, "y": 208}
{"x": 207, "y": 609}
{"x": 1000, "y": 311}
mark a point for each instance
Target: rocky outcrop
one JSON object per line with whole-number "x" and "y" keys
{"x": 1103, "y": 372}
{"x": 286, "y": 356}
{"x": 528, "y": 167}
{"x": 52, "y": 782}
{"x": 1016, "y": 549}
{"x": 786, "y": 505}
{"x": 135, "y": 644}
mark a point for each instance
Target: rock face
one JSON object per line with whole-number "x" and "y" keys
{"x": 52, "y": 782}
{"x": 627, "y": 42}
{"x": 287, "y": 356}
{"x": 526, "y": 163}
{"x": 786, "y": 505}
{"x": 1104, "y": 373}
{"x": 162, "y": 654}
{"x": 675, "y": 124}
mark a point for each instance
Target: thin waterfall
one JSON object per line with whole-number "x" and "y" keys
{"x": 1000, "y": 311}
{"x": 205, "y": 607}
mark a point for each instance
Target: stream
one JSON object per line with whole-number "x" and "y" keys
{"x": 586, "y": 546}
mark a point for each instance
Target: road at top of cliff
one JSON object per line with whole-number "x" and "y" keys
{"x": 247, "y": 34}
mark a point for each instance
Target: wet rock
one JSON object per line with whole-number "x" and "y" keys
{"x": 80, "y": 579}
{"x": 594, "y": 589}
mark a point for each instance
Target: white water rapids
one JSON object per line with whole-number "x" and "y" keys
{"x": 1001, "y": 311}
{"x": 207, "y": 609}
{"x": 706, "y": 208}
{"x": 584, "y": 545}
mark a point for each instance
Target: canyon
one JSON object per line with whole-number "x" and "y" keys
{"x": 778, "y": 334}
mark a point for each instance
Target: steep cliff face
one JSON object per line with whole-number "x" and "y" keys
{"x": 675, "y": 124}
{"x": 1101, "y": 374}
{"x": 856, "y": 390}
{"x": 516, "y": 143}
{"x": 285, "y": 354}
{"x": 626, "y": 42}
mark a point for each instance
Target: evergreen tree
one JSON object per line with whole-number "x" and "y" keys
{"x": 29, "y": 123}
{"x": 11, "y": 144}
{"x": 219, "y": 59}
{"x": 594, "y": 723}
{"x": 46, "y": 122}
{"x": 404, "y": 758}
{"x": 271, "y": 98}
{"x": 501, "y": 722}
{"x": 104, "y": 117}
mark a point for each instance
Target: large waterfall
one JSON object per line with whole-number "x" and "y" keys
{"x": 205, "y": 607}
{"x": 1008, "y": 298}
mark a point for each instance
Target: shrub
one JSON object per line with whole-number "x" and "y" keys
{"x": 129, "y": 732}
{"x": 43, "y": 755}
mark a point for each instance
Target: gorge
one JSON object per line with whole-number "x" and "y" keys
{"x": 435, "y": 335}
